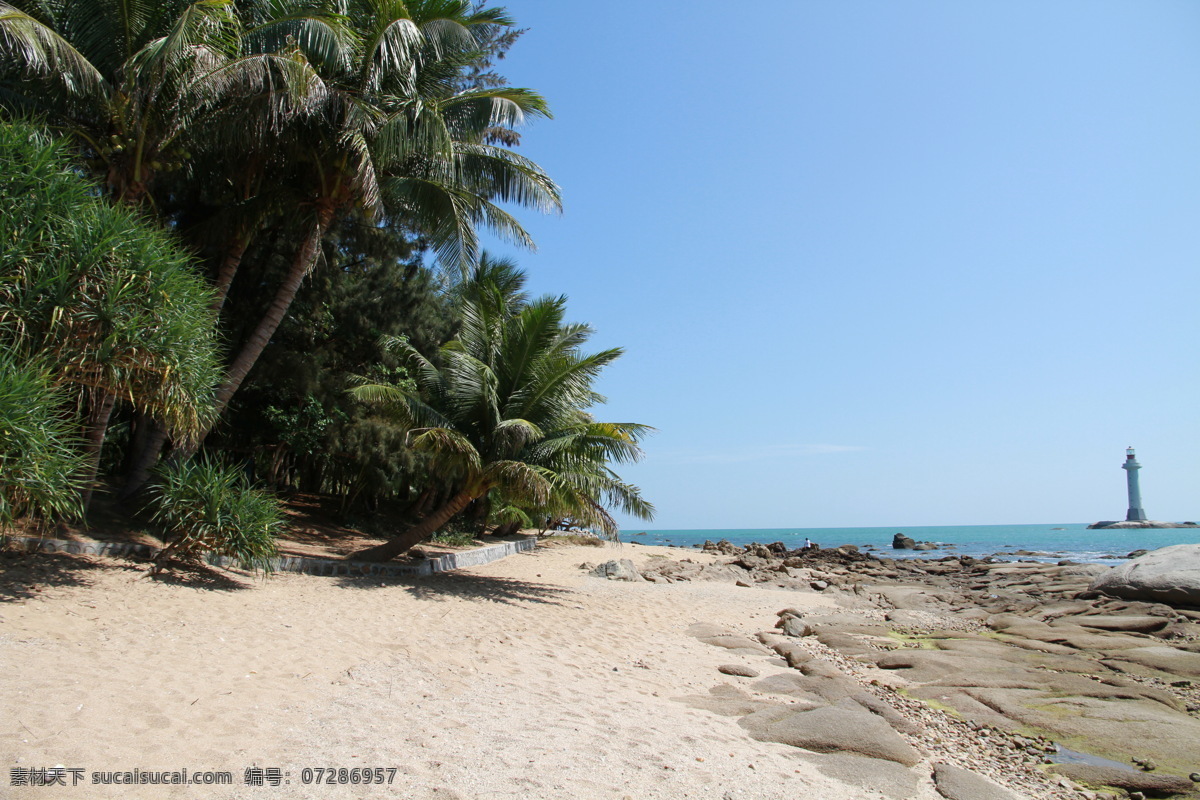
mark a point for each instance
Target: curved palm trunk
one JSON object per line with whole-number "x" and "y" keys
{"x": 306, "y": 256}
{"x": 93, "y": 442}
{"x": 228, "y": 269}
{"x": 417, "y": 533}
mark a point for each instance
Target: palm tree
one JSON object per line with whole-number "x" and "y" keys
{"x": 346, "y": 103}
{"x": 379, "y": 124}
{"x": 388, "y": 132}
{"x": 122, "y": 78}
{"x": 506, "y": 411}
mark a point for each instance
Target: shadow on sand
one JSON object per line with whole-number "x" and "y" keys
{"x": 203, "y": 576}
{"x": 481, "y": 588}
{"x": 26, "y": 575}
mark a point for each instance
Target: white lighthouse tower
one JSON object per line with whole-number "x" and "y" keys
{"x": 1135, "y": 513}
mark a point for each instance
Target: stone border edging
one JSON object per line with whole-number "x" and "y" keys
{"x": 306, "y": 565}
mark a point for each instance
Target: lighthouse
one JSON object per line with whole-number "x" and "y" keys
{"x": 1131, "y": 467}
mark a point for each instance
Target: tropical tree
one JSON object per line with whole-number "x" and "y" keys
{"x": 374, "y": 121}
{"x": 506, "y": 411}
{"x": 387, "y": 132}
{"x": 293, "y": 416}
{"x": 107, "y": 302}
{"x": 122, "y": 78}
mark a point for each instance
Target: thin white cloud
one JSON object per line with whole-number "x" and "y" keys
{"x": 747, "y": 454}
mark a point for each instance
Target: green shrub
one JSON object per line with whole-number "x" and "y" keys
{"x": 454, "y": 538}
{"x": 206, "y": 506}
{"x": 40, "y": 459}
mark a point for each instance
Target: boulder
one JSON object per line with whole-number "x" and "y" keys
{"x": 1163, "y": 658}
{"x": 792, "y": 626}
{"x": 888, "y": 712}
{"x": 622, "y": 570}
{"x": 872, "y": 774}
{"x": 1126, "y": 624}
{"x": 832, "y": 730}
{"x": 956, "y": 783}
{"x": 740, "y": 670}
{"x": 737, "y": 644}
{"x": 1168, "y": 575}
{"x": 1155, "y": 785}
{"x": 902, "y": 542}
{"x": 789, "y": 684}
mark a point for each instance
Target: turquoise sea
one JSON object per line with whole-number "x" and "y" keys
{"x": 1057, "y": 540}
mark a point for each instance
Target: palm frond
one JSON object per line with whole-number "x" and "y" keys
{"x": 28, "y": 44}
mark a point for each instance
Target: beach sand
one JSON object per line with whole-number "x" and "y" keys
{"x": 524, "y": 678}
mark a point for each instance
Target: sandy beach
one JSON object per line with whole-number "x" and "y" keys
{"x": 522, "y": 678}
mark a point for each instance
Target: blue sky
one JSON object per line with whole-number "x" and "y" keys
{"x": 879, "y": 263}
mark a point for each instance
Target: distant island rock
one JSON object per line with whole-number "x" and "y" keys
{"x": 902, "y": 542}
{"x": 1146, "y": 523}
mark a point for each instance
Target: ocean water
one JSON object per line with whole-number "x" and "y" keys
{"x": 1056, "y": 541}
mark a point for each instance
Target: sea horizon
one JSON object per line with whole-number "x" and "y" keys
{"x": 1043, "y": 542}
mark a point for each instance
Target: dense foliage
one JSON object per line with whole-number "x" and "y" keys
{"x": 106, "y": 302}
{"x": 310, "y": 159}
{"x": 40, "y": 460}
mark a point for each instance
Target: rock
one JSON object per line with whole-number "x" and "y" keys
{"x": 1142, "y": 624}
{"x": 1137, "y": 554}
{"x": 703, "y": 630}
{"x": 795, "y": 627}
{"x": 902, "y": 542}
{"x": 726, "y": 700}
{"x": 957, "y": 783}
{"x": 1084, "y": 570}
{"x": 1162, "y": 658}
{"x": 736, "y": 644}
{"x": 790, "y": 684}
{"x": 820, "y": 586}
{"x": 875, "y": 775}
{"x": 1127, "y": 779}
{"x": 738, "y": 669}
{"x": 1169, "y": 575}
{"x": 794, "y": 654}
{"x": 925, "y": 546}
{"x": 888, "y": 712}
{"x": 622, "y": 570}
{"x": 905, "y": 619}
{"x": 832, "y": 730}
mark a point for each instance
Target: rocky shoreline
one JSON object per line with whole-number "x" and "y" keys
{"x": 991, "y": 673}
{"x": 1145, "y": 523}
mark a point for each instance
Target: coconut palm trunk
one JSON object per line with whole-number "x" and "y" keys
{"x": 419, "y": 532}
{"x": 228, "y": 269}
{"x": 305, "y": 257}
